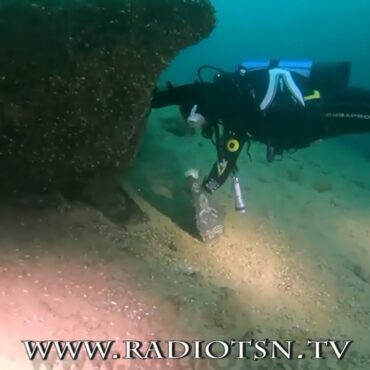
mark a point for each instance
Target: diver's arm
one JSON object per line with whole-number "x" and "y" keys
{"x": 228, "y": 150}
{"x": 188, "y": 94}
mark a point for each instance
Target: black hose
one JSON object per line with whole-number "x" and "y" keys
{"x": 201, "y": 68}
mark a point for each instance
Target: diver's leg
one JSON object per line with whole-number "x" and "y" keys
{"x": 346, "y": 112}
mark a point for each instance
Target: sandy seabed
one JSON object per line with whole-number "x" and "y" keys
{"x": 295, "y": 267}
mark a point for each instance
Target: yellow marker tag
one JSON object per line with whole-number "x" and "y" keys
{"x": 233, "y": 145}
{"x": 316, "y": 95}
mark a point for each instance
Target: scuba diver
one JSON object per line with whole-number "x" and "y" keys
{"x": 284, "y": 104}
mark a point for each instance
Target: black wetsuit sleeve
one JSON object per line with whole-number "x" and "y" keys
{"x": 228, "y": 151}
{"x": 188, "y": 94}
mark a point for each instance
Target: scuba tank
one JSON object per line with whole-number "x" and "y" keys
{"x": 322, "y": 75}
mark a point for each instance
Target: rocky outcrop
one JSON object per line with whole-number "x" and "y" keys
{"x": 76, "y": 78}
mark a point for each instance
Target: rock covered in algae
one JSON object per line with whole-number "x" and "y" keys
{"x": 76, "y": 78}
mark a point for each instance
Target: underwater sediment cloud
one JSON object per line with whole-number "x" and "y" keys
{"x": 76, "y": 78}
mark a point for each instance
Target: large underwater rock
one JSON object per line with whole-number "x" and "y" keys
{"x": 76, "y": 78}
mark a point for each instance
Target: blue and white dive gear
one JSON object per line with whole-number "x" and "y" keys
{"x": 280, "y": 77}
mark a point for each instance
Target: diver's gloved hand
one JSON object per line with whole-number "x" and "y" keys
{"x": 192, "y": 172}
{"x": 192, "y": 180}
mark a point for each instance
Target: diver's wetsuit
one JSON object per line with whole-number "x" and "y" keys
{"x": 323, "y": 106}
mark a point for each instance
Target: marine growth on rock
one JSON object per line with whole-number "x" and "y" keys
{"x": 76, "y": 78}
